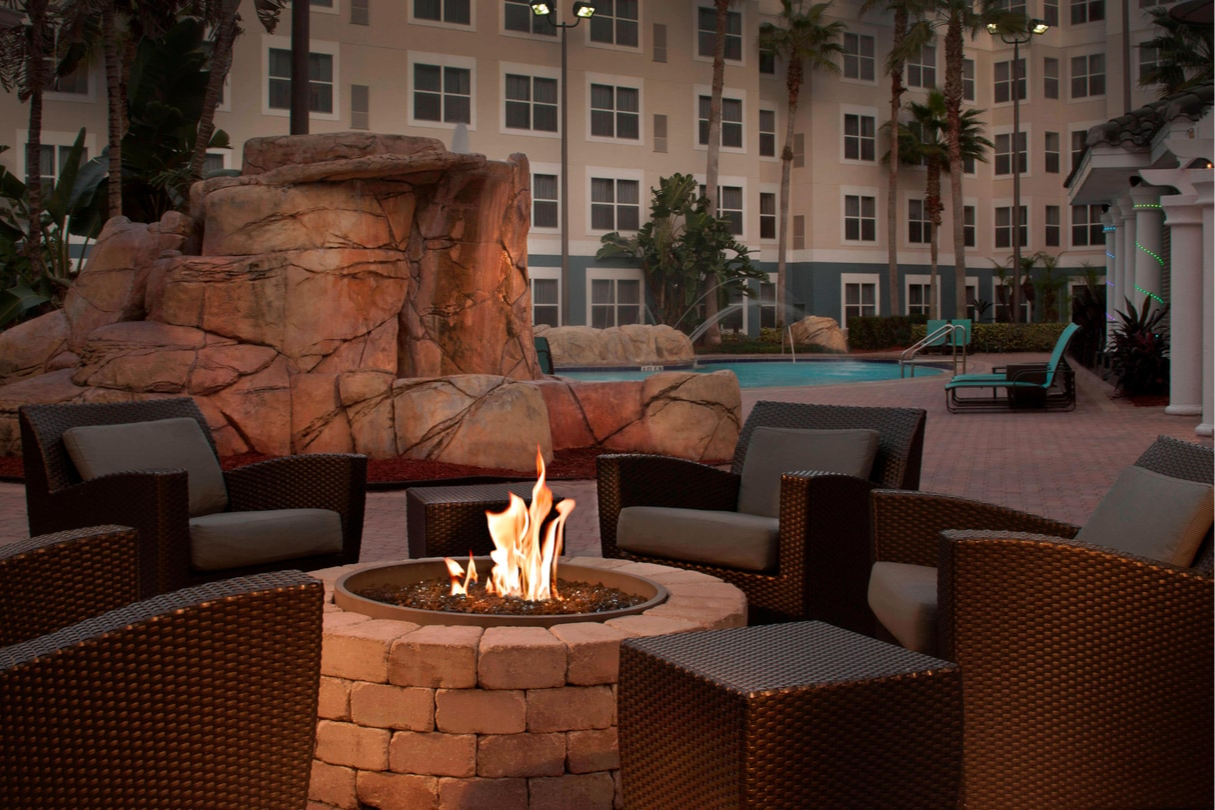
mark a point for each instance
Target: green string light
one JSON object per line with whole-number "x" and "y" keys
{"x": 1150, "y": 294}
{"x": 1139, "y": 206}
{"x": 1159, "y": 260}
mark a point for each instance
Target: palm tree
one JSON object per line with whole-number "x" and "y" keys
{"x": 801, "y": 38}
{"x": 906, "y": 38}
{"x": 923, "y": 142}
{"x": 222, "y": 17}
{"x": 1183, "y": 54}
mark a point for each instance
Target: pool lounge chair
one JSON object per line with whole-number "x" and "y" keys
{"x": 1049, "y": 385}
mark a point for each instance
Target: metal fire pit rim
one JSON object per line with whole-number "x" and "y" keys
{"x": 347, "y": 600}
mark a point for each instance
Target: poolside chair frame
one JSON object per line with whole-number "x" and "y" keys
{"x": 1049, "y": 385}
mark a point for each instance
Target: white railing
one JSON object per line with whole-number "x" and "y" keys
{"x": 908, "y": 357}
{"x": 793, "y": 352}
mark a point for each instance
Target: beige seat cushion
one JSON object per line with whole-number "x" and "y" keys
{"x": 1152, "y": 515}
{"x": 162, "y": 444}
{"x": 904, "y": 599}
{"x": 730, "y": 539}
{"x": 774, "y": 451}
{"x": 237, "y": 539}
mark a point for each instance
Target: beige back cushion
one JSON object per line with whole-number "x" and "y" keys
{"x": 1152, "y": 515}
{"x": 774, "y": 451}
{"x": 163, "y": 444}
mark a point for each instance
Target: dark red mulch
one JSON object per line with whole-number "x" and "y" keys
{"x": 578, "y": 463}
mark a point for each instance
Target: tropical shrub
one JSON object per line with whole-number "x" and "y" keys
{"x": 1139, "y": 350}
{"x": 1008, "y": 337}
{"x": 876, "y": 332}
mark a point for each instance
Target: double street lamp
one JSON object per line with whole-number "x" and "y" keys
{"x": 582, "y": 11}
{"x": 1017, "y": 37}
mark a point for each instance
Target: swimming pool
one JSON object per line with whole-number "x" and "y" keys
{"x": 773, "y": 373}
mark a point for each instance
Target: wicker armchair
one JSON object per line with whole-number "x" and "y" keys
{"x": 205, "y": 697}
{"x": 155, "y": 502}
{"x": 824, "y": 552}
{"x": 1087, "y": 673}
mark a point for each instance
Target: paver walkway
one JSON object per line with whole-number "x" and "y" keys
{"x": 1054, "y": 464}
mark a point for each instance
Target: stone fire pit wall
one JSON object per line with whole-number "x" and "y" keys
{"x": 514, "y": 718}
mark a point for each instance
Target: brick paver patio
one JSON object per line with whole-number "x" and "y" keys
{"x": 1054, "y": 464}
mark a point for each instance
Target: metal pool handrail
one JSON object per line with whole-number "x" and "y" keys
{"x": 792, "y": 351}
{"x": 908, "y": 356}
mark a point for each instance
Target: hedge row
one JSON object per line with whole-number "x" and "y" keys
{"x": 1007, "y": 337}
{"x": 871, "y": 333}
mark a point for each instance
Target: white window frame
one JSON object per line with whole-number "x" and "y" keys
{"x": 534, "y": 22}
{"x": 923, "y": 67}
{"x": 1026, "y": 136}
{"x": 972, "y": 287}
{"x": 874, "y": 279}
{"x": 920, "y": 280}
{"x": 728, "y": 181}
{"x": 861, "y": 60}
{"x": 926, "y": 222}
{"x": 614, "y": 45}
{"x": 973, "y": 203}
{"x": 604, "y": 173}
{"x": 1071, "y": 76}
{"x": 1012, "y": 83}
{"x": 1088, "y": 226}
{"x": 1026, "y": 223}
{"x": 468, "y": 63}
{"x": 547, "y": 274}
{"x": 533, "y": 72}
{"x": 331, "y": 49}
{"x": 774, "y": 190}
{"x": 861, "y": 112}
{"x": 858, "y": 191}
{"x": 1057, "y": 78}
{"x": 970, "y": 82}
{"x": 553, "y": 169}
{"x": 727, "y": 93}
{"x": 94, "y": 77}
{"x": 1046, "y": 225}
{"x": 49, "y": 137}
{"x": 615, "y": 274}
{"x": 629, "y": 83}
{"x": 695, "y": 27}
{"x": 1027, "y": 307}
{"x": 472, "y": 18}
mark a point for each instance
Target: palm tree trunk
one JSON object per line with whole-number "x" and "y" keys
{"x": 793, "y": 83}
{"x": 712, "y": 336}
{"x": 37, "y": 79}
{"x": 892, "y": 182}
{"x": 117, "y": 105}
{"x": 933, "y": 204}
{"x": 953, "y": 114}
{"x": 221, "y": 63}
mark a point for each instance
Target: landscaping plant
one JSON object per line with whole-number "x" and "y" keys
{"x": 1140, "y": 348}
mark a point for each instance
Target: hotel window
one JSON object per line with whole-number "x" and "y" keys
{"x": 767, "y": 63}
{"x": 615, "y": 302}
{"x": 1087, "y": 229}
{"x": 531, "y": 103}
{"x": 860, "y": 218}
{"x": 731, "y": 122}
{"x": 767, "y": 133}
{"x": 320, "y": 81}
{"x": 546, "y": 301}
{"x": 767, "y": 215}
{"x": 615, "y": 112}
{"x": 1004, "y": 154}
{"x": 922, "y": 68}
{"x": 453, "y": 12}
{"x": 360, "y": 106}
{"x": 1054, "y": 223}
{"x": 968, "y": 79}
{"x": 1050, "y": 13}
{"x": 767, "y": 304}
{"x": 1004, "y": 227}
{"x": 1004, "y": 81}
{"x": 706, "y": 33}
{"x": 860, "y": 137}
{"x": 1050, "y": 77}
{"x": 545, "y": 196}
{"x": 1079, "y": 139}
{"x": 729, "y": 206}
{"x": 518, "y": 16}
{"x": 75, "y": 83}
{"x": 442, "y": 93}
{"x": 1086, "y": 11}
{"x": 860, "y": 298}
{"x": 919, "y": 225}
{"x": 1050, "y": 150}
{"x": 1149, "y": 62}
{"x": 360, "y": 12}
{"x": 615, "y": 204}
{"x": 968, "y": 225}
{"x": 859, "y": 59}
{"x": 615, "y": 23}
{"x": 1011, "y": 6}
{"x": 1088, "y": 75}
{"x": 918, "y": 298}
{"x": 53, "y": 160}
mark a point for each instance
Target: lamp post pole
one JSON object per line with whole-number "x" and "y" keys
{"x": 581, "y": 11}
{"x": 1017, "y": 39}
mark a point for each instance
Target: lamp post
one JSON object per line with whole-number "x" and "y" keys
{"x": 581, "y": 11}
{"x": 1017, "y": 38}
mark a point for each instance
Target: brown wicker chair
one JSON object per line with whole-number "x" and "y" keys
{"x": 1086, "y": 673}
{"x": 824, "y": 554}
{"x": 156, "y": 502}
{"x": 205, "y": 697}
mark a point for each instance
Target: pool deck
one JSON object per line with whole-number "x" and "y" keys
{"x": 1056, "y": 464}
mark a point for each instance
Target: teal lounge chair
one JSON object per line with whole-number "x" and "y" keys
{"x": 1049, "y": 385}
{"x": 960, "y": 337}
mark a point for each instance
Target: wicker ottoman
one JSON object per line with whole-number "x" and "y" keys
{"x": 450, "y": 521}
{"x": 800, "y": 715}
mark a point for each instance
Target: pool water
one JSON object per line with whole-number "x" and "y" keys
{"x": 776, "y": 373}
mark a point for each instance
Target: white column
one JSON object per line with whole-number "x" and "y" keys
{"x": 1110, "y": 221}
{"x": 1124, "y": 283}
{"x": 1147, "y": 262}
{"x": 1205, "y": 189}
{"x": 1184, "y": 218}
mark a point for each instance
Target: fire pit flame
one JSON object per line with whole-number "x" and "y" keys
{"x": 525, "y": 565}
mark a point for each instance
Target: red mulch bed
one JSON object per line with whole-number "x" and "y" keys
{"x": 566, "y": 465}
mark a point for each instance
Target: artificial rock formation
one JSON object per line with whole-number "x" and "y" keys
{"x": 820, "y": 331}
{"x": 348, "y": 292}
{"x": 631, "y": 345}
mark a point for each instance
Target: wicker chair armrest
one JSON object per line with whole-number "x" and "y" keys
{"x": 205, "y": 694}
{"x": 906, "y": 524}
{"x": 1072, "y": 651}
{"x": 824, "y": 544}
{"x": 647, "y": 480}
{"x": 156, "y": 503}
{"x": 55, "y": 580}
